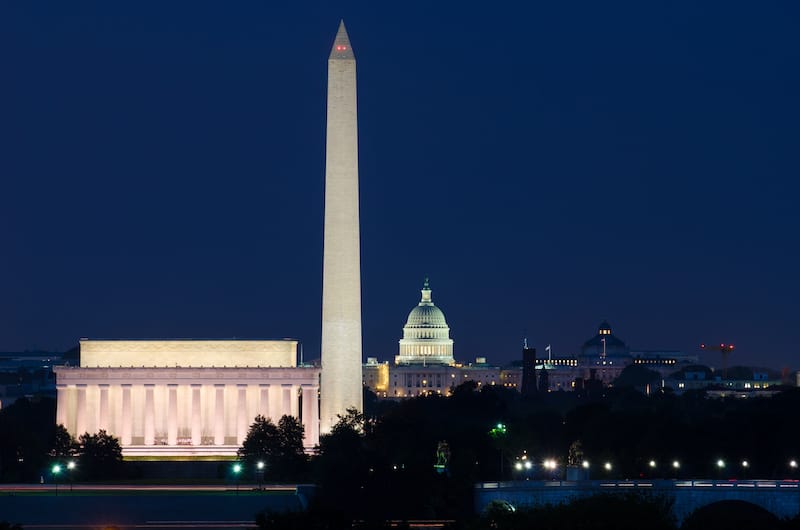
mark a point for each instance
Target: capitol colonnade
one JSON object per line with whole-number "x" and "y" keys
{"x": 185, "y": 410}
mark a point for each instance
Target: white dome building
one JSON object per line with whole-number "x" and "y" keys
{"x": 426, "y": 335}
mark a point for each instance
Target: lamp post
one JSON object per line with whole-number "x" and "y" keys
{"x": 70, "y": 469}
{"x": 56, "y": 469}
{"x": 260, "y": 473}
{"x": 237, "y": 468}
{"x": 498, "y": 432}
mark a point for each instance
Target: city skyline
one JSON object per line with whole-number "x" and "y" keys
{"x": 166, "y": 176}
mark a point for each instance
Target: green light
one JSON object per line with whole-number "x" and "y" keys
{"x": 498, "y": 430}
{"x": 237, "y": 468}
{"x": 56, "y": 469}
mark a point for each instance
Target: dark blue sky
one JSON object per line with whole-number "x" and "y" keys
{"x": 549, "y": 166}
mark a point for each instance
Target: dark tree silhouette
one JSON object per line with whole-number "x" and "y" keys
{"x": 99, "y": 456}
{"x": 63, "y": 445}
{"x": 279, "y": 447}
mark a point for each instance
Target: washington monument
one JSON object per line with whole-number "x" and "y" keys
{"x": 340, "y": 384}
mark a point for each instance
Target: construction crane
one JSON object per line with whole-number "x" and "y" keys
{"x": 725, "y": 350}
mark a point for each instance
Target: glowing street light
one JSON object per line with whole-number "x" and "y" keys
{"x": 676, "y": 464}
{"x": 56, "y": 469}
{"x": 585, "y": 464}
{"x": 237, "y": 468}
{"x": 497, "y": 432}
{"x": 745, "y": 464}
{"x": 518, "y": 466}
{"x": 528, "y": 464}
{"x": 70, "y": 468}
{"x": 652, "y": 464}
{"x": 607, "y": 466}
{"x": 721, "y": 463}
{"x": 793, "y": 464}
{"x": 260, "y": 473}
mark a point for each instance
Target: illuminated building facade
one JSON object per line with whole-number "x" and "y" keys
{"x": 425, "y": 362}
{"x": 185, "y": 398}
{"x": 426, "y": 335}
{"x": 603, "y": 357}
{"x": 341, "y": 269}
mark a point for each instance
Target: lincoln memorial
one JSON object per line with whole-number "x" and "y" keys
{"x": 185, "y": 398}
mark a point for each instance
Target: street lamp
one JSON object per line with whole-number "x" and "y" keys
{"x": 745, "y": 466}
{"x": 607, "y": 466}
{"x": 497, "y": 432}
{"x": 676, "y": 465}
{"x": 260, "y": 473}
{"x": 56, "y": 470}
{"x": 70, "y": 468}
{"x": 237, "y": 468}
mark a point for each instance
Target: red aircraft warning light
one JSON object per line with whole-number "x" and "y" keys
{"x": 725, "y": 350}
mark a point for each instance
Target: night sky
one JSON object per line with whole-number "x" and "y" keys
{"x": 548, "y": 166}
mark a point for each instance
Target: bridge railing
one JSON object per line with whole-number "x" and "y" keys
{"x": 639, "y": 484}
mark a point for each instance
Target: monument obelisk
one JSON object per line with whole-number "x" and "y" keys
{"x": 340, "y": 386}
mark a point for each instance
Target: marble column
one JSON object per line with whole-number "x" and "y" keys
{"x": 127, "y": 417}
{"x": 295, "y": 404}
{"x": 241, "y": 413}
{"x": 172, "y": 415}
{"x": 275, "y": 402}
{"x": 286, "y": 401}
{"x": 149, "y": 415}
{"x": 104, "y": 418}
{"x": 219, "y": 414}
{"x": 80, "y": 410}
{"x": 310, "y": 416}
{"x": 61, "y": 405}
{"x": 197, "y": 424}
{"x": 263, "y": 400}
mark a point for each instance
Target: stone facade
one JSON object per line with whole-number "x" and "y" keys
{"x": 341, "y": 271}
{"x": 189, "y": 409}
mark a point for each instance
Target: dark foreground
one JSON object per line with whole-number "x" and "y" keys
{"x": 152, "y": 507}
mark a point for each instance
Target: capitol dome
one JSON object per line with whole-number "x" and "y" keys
{"x": 426, "y": 335}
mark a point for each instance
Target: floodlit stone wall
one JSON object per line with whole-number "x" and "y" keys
{"x": 188, "y": 353}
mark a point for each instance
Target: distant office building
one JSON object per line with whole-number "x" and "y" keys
{"x": 27, "y": 374}
{"x": 604, "y": 356}
{"x": 741, "y": 382}
{"x": 602, "y": 359}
